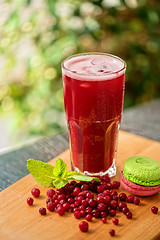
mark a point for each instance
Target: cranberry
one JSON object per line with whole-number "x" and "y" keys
{"x": 104, "y": 214}
{"x": 81, "y": 208}
{"x": 75, "y": 209}
{"x": 104, "y": 219}
{"x": 54, "y": 197}
{"x": 72, "y": 207}
{"x": 89, "y": 195}
{"x": 113, "y": 193}
{"x": 136, "y": 201}
{"x": 100, "y": 199}
{"x": 101, "y": 207}
{"x": 92, "y": 203}
{"x": 112, "y": 232}
{"x": 35, "y": 192}
{"x": 79, "y": 199}
{"x": 49, "y": 200}
{"x": 77, "y": 204}
{"x": 59, "y": 191}
{"x": 42, "y": 211}
{"x": 83, "y": 226}
{"x": 89, "y": 217}
{"x": 70, "y": 200}
{"x": 122, "y": 197}
{"x": 113, "y": 204}
{"x": 116, "y": 184}
{"x": 130, "y": 198}
{"x": 77, "y": 214}
{"x": 84, "y": 187}
{"x": 84, "y": 203}
{"x": 122, "y": 205}
{"x": 60, "y": 210}
{"x": 112, "y": 213}
{"x": 129, "y": 215}
{"x": 100, "y": 188}
{"x": 66, "y": 206}
{"x": 154, "y": 210}
{"x": 115, "y": 221}
{"x": 106, "y": 179}
{"x": 125, "y": 210}
{"x": 51, "y": 206}
{"x": 106, "y": 193}
{"x": 30, "y": 201}
{"x": 107, "y": 200}
{"x": 56, "y": 202}
{"x": 76, "y": 191}
{"x": 83, "y": 214}
{"x": 50, "y": 193}
{"x": 96, "y": 213}
{"x": 88, "y": 210}
{"x": 115, "y": 197}
{"x": 110, "y": 186}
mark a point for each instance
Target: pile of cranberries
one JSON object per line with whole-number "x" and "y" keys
{"x": 88, "y": 200}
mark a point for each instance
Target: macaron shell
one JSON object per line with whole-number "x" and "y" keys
{"x": 138, "y": 189}
{"x": 142, "y": 170}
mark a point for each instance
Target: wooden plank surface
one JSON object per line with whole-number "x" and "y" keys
{"x": 22, "y": 222}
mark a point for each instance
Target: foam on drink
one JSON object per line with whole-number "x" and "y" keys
{"x": 94, "y": 67}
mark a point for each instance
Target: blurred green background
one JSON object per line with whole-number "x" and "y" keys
{"x": 36, "y": 35}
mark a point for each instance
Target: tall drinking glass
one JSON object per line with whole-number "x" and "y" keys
{"x": 93, "y": 85}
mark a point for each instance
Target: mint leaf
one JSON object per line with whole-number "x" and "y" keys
{"x": 58, "y": 183}
{"x": 70, "y": 173}
{"x": 41, "y": 171}
{"x": 60, "y": 169}
{"x": 80, "y": 177}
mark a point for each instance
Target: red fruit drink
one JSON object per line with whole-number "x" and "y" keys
{"x": 93, "y": 86}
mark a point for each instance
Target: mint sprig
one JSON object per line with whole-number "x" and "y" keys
{"x": 57, "y": 176}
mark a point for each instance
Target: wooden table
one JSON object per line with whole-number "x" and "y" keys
{"x": 143, "y": 120}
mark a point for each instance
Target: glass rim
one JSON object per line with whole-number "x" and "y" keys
{"x": 93, "y": 53}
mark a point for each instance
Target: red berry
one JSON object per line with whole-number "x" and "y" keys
{"x": 136, "y": 201}
{"x": 112, "y": 232}
{"x": 115, "y": 221}
{"x": 89, "y": 217}
{"x": 121, "y": 205}
{"x": 66, "y": 206}
{"x": 129, "y": 215}
{"x": 81, "y": 208}
{"x": 104, "y": 219}
{"x": 84, "y": 203}
{"x": 106, "y": 200}
{"x": 130, "y": 198}
{"x": 110, "y": 186}
{"x": 83, "y": 226}
{"x": 113, "y": 204}
{"x": 101, "y": 207}
{"x": 84, "y": 187}
{"x": 49, "y": 200}
{"x": 88, "y": 210}
{"x": 83, "y": 214}
{"x": 92, "y": 203}
{"x": 70, "y": 200}
{"x": 51, "y": 206}
{"x": 125, "y": 210}
{"x": 106, "y": 179}
{"x": 50, "y": 193}
{"x": 76, "y": 191}
{"x": 106, "y": 193}
{"x": 104, "y": 214}
{"x": 154, "y": 210}
{"x": 112, "y": 213}
{"x": 77, "y": 214}
{"x": 116, "y": 184}
{"x": 122, "y": 197}
{"x": 30, "y": 201}
{"x": 60, "y": 210}
{"x": 95, "y": 213}
{"x": 89, "y": 195}
{"x": 100, "y": 188}
{"x": 35, "y": 192}
{"x": 100, "y": 199}
{"x": 42, "y": 211}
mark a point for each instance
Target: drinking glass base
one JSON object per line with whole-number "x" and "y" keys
{"x": 111, "y": 171}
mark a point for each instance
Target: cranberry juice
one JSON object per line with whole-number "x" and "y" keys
{"x": 93, "y": 95}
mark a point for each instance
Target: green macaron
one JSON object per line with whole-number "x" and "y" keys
{"x": 142, "y": 171}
